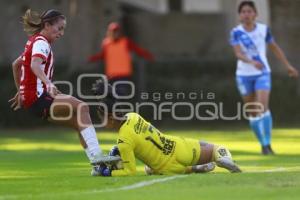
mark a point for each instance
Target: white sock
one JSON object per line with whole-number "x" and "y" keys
{"x": 90, "y": 138}
{"x": 88, "y": 154}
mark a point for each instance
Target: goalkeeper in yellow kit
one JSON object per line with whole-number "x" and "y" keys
{"x": 162, "y": 154}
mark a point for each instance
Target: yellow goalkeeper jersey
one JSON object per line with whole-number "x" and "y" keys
{"x": 163, "y": 153}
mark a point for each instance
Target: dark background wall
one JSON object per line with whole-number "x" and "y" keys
{"x": 191, "y": 50}
{"x": 285, "y": 23}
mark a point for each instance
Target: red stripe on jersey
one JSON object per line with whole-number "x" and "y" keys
{"x": 40, "y": 56}
{"x": 29, "y": 82}
{"x": 46, "y": 70}
{"x": 51, "y": 73}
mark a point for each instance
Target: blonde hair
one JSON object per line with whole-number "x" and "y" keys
{"x": 33, "y": 22}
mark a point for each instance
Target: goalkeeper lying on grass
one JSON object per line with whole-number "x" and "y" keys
{"x": 162, "y": 154}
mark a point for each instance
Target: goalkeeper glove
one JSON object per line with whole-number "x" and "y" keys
{"x": 114, "y": 151}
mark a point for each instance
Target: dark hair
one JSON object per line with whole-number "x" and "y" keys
{"x": 247, "y": 3}
{"x": 33, "y": 22}
{"x": 99, "y": 89}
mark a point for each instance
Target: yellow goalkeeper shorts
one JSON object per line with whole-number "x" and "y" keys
{"x": 187, "y": 153}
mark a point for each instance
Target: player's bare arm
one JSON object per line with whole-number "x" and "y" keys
{"x": 240, "y": 55}
{"x": 16, "y": 67}
{"x": 277, "y": 51}
{"x": 36, "y": 62}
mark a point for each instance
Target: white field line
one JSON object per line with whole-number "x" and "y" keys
{"x": 139, "y": 184}
{"x": 127, "y": 187}
{"x": 278, "y": 169}
{"x": 135, "y": 185}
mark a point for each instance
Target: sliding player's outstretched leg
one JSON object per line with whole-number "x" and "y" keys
{"x": 222, "y": 157}
{"x": 201, "y": 168}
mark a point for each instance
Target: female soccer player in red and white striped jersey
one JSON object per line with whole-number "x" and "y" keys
{"x": 33, "y": 72}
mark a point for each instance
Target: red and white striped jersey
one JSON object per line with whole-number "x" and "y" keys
{"x": 31, "y": 87}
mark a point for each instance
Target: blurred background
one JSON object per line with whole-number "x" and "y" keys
{"x": 188, "y": 38}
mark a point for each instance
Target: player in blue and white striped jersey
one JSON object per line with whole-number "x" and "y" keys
{"x": 250, "y": 40}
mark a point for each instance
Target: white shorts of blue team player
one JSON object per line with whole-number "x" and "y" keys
{"x": 254, "y": 45}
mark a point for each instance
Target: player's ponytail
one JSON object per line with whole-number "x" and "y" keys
{"x": 109, "y": 100}
{"x": 33, "y": 22}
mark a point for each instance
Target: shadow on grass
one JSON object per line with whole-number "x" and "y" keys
{"x": 251, "y": 158}
{"x": 48, "y": 135}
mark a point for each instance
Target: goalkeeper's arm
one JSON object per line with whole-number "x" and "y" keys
{"x": 128, "y": 158}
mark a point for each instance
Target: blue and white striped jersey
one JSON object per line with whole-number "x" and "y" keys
{"x": 254, "y": 46}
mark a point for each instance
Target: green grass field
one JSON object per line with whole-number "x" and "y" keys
{"x": 50, "y": 164}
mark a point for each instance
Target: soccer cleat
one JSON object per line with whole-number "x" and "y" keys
{"x": 265, "y": 150}
{"x": 96, "y": 171}
{"x": 103, "y": 159}
{"x": 228, "y": 164}
{"x": 100, "y": 170}
{"x": 204, "y": 168}
{"x": 271, "y": 150}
